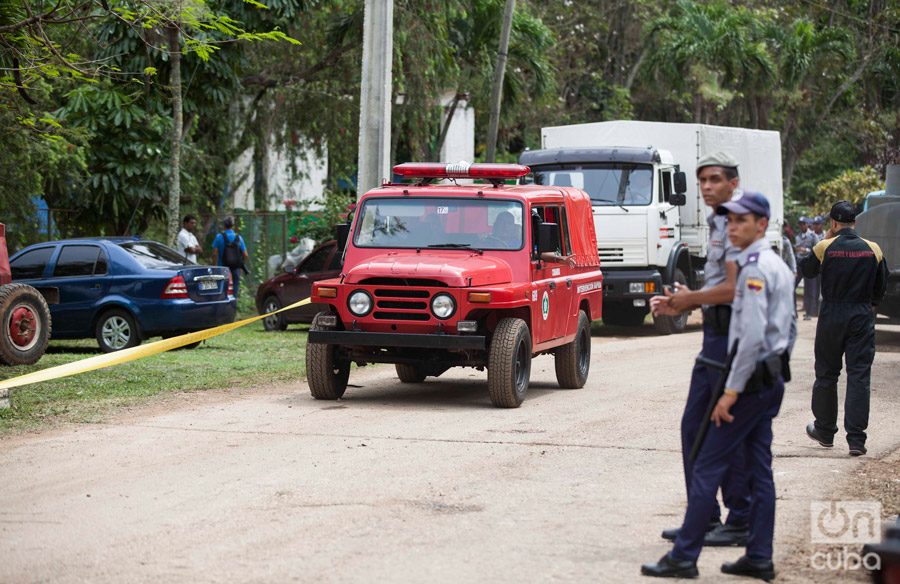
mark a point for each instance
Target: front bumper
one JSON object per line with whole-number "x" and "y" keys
{"x": 615, "y": 284}
{"x": 366, "y": 339}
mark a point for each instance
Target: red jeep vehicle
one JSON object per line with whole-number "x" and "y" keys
{"x": 24, "y": 315}
{"x": 442, "y": 275}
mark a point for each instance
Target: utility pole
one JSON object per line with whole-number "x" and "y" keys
{"x": 375, "y": 95}
{"x": 497, "y": 85}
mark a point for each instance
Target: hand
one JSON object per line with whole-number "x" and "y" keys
{"x": 720, "y": 414}
{"x": 829, "y": 234}
{"x": 679, "y": 302}
{"x": 659, "y": 305}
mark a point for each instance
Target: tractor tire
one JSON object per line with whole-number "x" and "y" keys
{"x": 573, "y": 360}
{"x": 509, "y": 363}
{"x": 326, "y": 372}
{"x": 24, "y": 324}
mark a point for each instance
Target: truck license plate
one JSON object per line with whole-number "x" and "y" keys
{"x": 208, "y": 285}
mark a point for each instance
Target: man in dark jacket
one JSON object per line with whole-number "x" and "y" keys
{"x": 854, "y": 280}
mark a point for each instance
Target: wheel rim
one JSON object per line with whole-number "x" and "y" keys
{"x": 584, "y": 355}
{"x": 116, "y": 332}
{"x": 521, "y": 365}
{"x": 271, "y": 320}
{"x": 23, "y": 328}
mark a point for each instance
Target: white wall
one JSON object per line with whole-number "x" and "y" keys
{"x": 460, "y": 141}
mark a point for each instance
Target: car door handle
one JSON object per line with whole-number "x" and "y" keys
{"x": 552, "y": 285}
{"x": 96, "y": 287}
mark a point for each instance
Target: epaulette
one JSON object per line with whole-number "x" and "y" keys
{"x": 753, "y": 258}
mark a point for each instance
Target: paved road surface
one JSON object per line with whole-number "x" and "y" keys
{"x": 402, "y": 483}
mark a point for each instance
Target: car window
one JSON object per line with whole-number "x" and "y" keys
{"x": 100, "y": 268}
{"x": 152, "y": 255}
{"x": 76, "y": 260}
{"x": 315, "y": 262}
{"x": 31, "y": 264}
{"x": 335, "y": 264}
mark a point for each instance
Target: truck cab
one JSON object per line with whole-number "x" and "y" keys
{"x": 478, "y": 275}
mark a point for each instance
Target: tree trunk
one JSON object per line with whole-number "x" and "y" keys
{"x": 177, "y": 124}
{"x": 497, "y": 85}
{"x": 451, "y": 109}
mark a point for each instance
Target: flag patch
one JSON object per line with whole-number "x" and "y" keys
{"x": 755, "y": 285}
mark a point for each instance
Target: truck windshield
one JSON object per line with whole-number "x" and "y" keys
{"x": 606, "y": 184}
{"x": 418, "y": 222}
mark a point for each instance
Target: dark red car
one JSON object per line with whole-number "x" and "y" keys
{"x": 294, "y": 285}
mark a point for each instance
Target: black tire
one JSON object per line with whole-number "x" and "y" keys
{"x": 24, "y": 324}
{"x": 409, "y": 373}
{"x": 509, "y": 363}
{"x": 326, "y": 373}
{"x": 667, "y": 325}
{"x": 573, "y": 360}
{"x": 275, "y": 322}
{"x": 171, "y": 334}
{"x": 620, "y": 314}
{"x": 116, "y": 330}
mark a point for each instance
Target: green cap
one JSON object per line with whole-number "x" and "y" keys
{"x": 717, "y": 159}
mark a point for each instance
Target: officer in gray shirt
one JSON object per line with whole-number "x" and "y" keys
{"x": 804, "y": 242}
{"x": 717, "y": 174}
{"x": 763, "y": 329}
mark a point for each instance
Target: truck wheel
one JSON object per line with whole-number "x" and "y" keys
{"x": 326, "y": 372}
{"x": 116, "y": 330}
{"x": 573, "y": 361}
{"x": 621, "y": 314}
{"x": 275, "y": 322}
{"x": 667, "y": 325}
{"x": 25, "y": 324}
{"x": 409, "y": 373}
{"x": 509, "y": 363}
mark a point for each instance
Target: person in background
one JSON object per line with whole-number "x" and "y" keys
{"x": 186, "y": 243}
{"x": 803, "y": 244}
{"x": 230, "y": 251}
{"x": 818, "y": 226}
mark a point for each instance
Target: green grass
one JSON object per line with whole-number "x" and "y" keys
{"x": 243, "y": 357}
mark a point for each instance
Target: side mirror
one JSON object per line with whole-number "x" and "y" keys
{"x": 342, "y": 233}
{"x": 680, "y": 183}
{"x": 548, "y": 237}
{"x": 289, "y": 268}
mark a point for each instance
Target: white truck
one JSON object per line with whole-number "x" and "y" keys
{"x": 649, "y": 215}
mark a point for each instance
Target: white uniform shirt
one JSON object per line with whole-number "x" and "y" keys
{"x": 185, "y": 240}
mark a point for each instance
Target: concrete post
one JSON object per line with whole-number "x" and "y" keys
{"x": 375, "y": 95}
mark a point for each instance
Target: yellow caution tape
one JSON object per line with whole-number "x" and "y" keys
{"x": 132, "y": 354}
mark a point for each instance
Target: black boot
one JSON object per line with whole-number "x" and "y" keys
{"x": 727, "y": 535}
{"x": 814, "y": 434}
{"x": 669, "y": 567}
{"x": 671, "y": 534}
{"x": 762, "y": 569}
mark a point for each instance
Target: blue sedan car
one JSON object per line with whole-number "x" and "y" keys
{"x": 123, "y": 290}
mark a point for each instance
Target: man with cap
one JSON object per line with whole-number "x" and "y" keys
{"x": 718, "y": 177}
{"x": 803, "y": 244}
{"x": 763, "y": 329}
{"x": 854, "y": 280}
{"x": 818, "y": 227}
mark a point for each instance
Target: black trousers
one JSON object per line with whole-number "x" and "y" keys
{"x": 844, "y": 329}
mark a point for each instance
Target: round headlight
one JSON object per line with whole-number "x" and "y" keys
{"x": 360, "y": 303}
{"x": 443, "y": 306}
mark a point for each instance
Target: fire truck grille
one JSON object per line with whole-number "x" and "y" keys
{"x": 401, "y": 304}
{"x": 419, "y": 316}
{"x": 419, "y": 282}
{"x": 379, "y": 293}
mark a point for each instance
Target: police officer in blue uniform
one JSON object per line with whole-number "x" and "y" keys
{"x": 717, "y": 174}
{"x": 763, "y": 326}
{"x": 854, "y": 280}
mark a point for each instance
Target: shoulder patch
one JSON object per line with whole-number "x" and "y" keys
{"x": 755, "y": 284}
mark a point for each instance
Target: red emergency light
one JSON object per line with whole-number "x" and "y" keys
{"x": 490, "y": 172}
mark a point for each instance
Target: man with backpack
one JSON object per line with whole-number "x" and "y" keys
{"x": 230, "y": 251}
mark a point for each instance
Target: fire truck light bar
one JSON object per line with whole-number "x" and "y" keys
{"x": 461, "y": 170}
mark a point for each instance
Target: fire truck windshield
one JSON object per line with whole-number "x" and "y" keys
{"x": 417, "y": 222}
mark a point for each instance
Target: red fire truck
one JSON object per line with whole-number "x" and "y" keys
{"x": 450, "y": 275}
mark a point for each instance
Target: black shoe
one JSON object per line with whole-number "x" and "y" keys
{"x": 672, "y": 534}
{"x": 727, "y": 535}
{"x": 668, "y": 567}
{"x": 857, "y": 450}
{"x": 762, "y": 569}
{"x": 814, "y": 433}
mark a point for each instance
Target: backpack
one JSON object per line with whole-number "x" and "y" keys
{"x": 232, "y": 257}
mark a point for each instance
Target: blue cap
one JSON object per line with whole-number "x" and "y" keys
{"x": 818, "y": 219}
{"x": 749, "y": 203}
{"x": 802, "y": 219}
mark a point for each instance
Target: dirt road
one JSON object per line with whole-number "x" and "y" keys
{"x": 404, "y": 483}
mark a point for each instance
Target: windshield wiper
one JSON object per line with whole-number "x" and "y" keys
{"x": 450, "y": 245}
{"x": 608, "y": 203}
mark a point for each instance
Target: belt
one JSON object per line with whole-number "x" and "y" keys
{"x": 768, "y": 371}
{"x": 718, "y": 317}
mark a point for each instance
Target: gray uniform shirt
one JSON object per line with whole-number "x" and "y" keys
{"x": 719, "y": 251}
{"x": 762, "y": 314}
{"x": 805, "y": 239}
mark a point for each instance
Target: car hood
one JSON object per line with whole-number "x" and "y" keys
{"x": 456, "y": 269}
